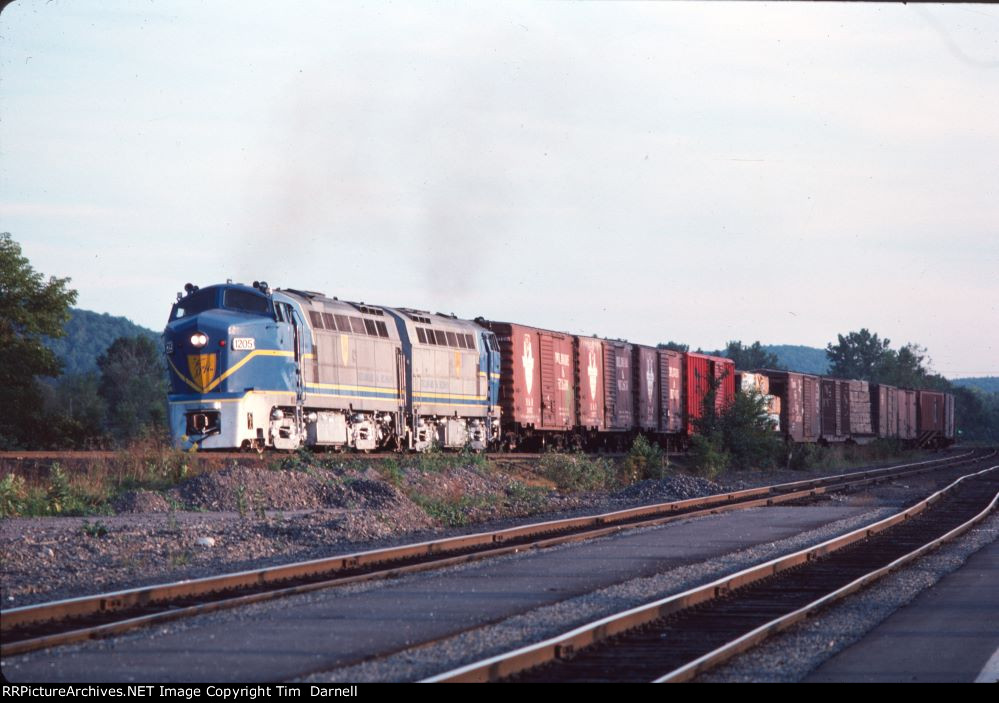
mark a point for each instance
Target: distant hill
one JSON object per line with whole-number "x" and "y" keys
{"x": 88, "y": 335}
{"x": 986, "y": 384}
{"x": 795, "y": 357}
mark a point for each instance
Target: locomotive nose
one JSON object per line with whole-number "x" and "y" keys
{"x": 195, "y": 350}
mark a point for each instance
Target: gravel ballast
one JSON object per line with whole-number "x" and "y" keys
{"x": 790, "y": 656}
{"x": 258, "y": 517}
{"x": 541, "y": 623}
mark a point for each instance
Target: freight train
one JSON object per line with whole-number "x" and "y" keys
{"x": 255, "y": 368}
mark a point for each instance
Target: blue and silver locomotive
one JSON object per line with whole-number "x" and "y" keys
{"x": 255, "y": 368}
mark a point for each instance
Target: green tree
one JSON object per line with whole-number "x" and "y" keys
{"x": 31, "y": 309}
{"x": 133, "y": 386}
{"x": 741, "y": 433}
{"x": 751, "y": 357}
{"x": 75, "y": 411}
{"x": 859, "y": 355}
{"x": 674, "y": 346}
{"x": 748, "y": 433}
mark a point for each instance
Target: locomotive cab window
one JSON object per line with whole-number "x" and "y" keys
{"x": 421, "y": 335}
{"x": 244, "y": 301}
{"x": 199, "y": 301}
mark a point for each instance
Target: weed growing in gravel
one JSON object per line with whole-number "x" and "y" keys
{"x": 66, "y": 496}
{"x": 179, "y": 559}
{"x": 526, "y": 498}
{"x": 258, "y": 506}
{"x": 59, "y": 494}
{"x": 98, "y": 529}
{"x": 241, "y": 504}
{"x": 436, "y": 460}
{"x": 12, "y": 494}
{"x": 644, "y": 460}
{"x": 172, "y": 524}
{"x": 576, "y": 471}
{"x": 302, "y": 460}
{"x": 389, "y": 471}
{"x": 453, "y": 512}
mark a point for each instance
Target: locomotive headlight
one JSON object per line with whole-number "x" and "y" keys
{"x": 199, "y": 339}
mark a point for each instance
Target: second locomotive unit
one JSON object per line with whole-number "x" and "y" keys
{"x": 256, "y": 368}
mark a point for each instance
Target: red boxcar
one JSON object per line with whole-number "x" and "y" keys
{"x": 619, "y": 399}
{"x": 590, "y": 382}
{"x": 537, "y": 384}
{"x": 645, "y": 362}
{"x": 670, "y": 391}
{"x": 699, "y": 369}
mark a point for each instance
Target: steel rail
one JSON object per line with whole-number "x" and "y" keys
{"x": 45, "y": 455}
{"x": 568, "y": 644}
{"x": 241, "y": 588}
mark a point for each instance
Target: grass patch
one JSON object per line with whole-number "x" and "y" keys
{"x": 436, "y": 460}
{"x": 97, "y": 529}
{"x": 453, "y": 512}
{"x": 707, "y": 458}
{"x": 526, "y": 498}
{"x": 90, "y": 489}
{"x": 576, "y": 471}
{"x": 835, "y": 457}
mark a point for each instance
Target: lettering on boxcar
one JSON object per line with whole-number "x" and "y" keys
{"x": 591, "y": 372}
{"x": 528, "y": 359}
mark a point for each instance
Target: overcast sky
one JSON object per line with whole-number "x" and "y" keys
{"x": 685, "y": 171}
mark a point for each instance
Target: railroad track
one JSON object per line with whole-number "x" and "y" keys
{"x": 49, "y": 624}
{"x": 677, "y": 638}
{"x": 94, "y": 455}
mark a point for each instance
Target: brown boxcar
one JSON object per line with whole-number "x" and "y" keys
{"x": 949, "y": 416}
{"x": 670, "y": 391}
{"x": 810, "y": 413}
{"x": 884, "y": 410}
{"x": 590, "y": 382}
{"x": 907, "y": 425}
{"x": 645, "y": 378}
{"x": 537, "y": 387}
{"x": 931, "y": 412}
{"x": 857, "y": 396}
{"x": 699, "y": 369}
{"x": 619, "y": 399}
{"x": 834, "y": 404}
{"x": 798, "y": 394}
{"x": 787, "y": 386}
